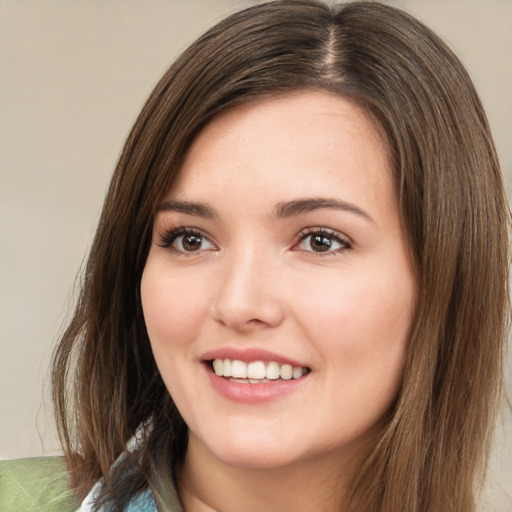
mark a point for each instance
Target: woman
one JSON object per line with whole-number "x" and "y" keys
{"x": 296, "y": 296}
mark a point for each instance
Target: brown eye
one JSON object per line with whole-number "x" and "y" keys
{"x": 322, "y": 242}
{"x": 186, "y": 240}
{"x": 190, "y": 242}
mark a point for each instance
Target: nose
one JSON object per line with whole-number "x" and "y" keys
{"x": 248, "y": 296}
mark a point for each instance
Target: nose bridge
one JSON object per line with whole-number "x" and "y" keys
{"x": 247, "y": 297}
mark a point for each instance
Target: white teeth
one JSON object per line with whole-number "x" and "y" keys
{"x": 256, "y": 372}
{"x": 286, "y": 371}
{"x": 272, "y": 372}
{"x": 228, "y": 372}
{"x": 239, "y": 369}
{"x": 218, "y": 366}
{"x": 297, "y": 372}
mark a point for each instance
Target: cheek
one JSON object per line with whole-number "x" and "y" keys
{"x": 172, "y": 312}
{"x": 172, "y": 307}
{"x": 356, "y": 307}
{"x": 360, "y": 322}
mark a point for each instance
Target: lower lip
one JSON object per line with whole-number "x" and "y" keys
{"x": 253, "y": 393}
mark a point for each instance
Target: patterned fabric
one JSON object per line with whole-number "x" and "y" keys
{"x": 142, "y": 503}
{"x": 37, "y": 484}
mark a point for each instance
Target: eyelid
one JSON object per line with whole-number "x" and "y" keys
{"x": 166, "y": 237}
{"x": 342, "y": 239}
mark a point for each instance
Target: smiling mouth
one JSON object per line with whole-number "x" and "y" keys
{"x": 256, "y": 372}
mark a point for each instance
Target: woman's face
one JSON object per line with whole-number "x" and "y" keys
{"x": 278, "y": 260}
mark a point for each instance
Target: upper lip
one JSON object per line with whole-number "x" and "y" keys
{"x": 249, "y": 354}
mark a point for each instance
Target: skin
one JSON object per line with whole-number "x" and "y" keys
{"x": 256, "y": 280}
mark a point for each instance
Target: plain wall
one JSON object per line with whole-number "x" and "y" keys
{"x": 73, "y": 76}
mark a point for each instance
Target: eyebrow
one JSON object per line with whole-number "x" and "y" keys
{"x": 189, "y": 208}
{"x": 282, "y": 210}
{"x": 288, "y": 209}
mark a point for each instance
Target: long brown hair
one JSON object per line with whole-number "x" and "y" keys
{"x": 432, "y": 453}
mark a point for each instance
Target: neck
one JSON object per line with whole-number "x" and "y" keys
{"x": 207, "y": 484}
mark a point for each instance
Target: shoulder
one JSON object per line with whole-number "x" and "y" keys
{"x": 35, "y": 484}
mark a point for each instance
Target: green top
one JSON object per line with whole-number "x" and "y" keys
{"x": 37, "y": 484}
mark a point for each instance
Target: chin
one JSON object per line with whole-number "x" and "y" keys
{"x": 248, "y": 451}
{"x": 255, "y": 459}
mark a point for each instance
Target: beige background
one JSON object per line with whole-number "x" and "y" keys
{"x": 73, "y": 76}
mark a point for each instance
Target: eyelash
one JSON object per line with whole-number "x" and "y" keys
{"x": 169, "y": 238}
{"x": 326, "y": 234}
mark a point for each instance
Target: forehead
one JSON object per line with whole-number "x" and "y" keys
{"x": 299, "y": 144}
